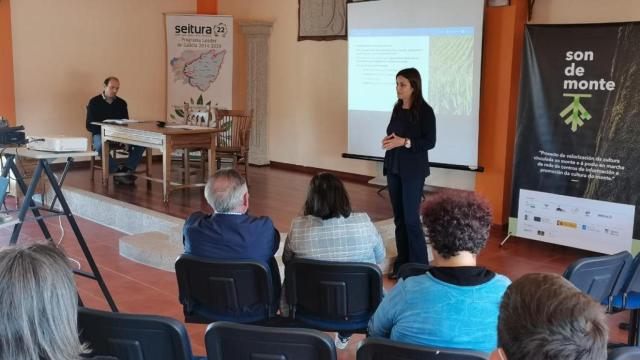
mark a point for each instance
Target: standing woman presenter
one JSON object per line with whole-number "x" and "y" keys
{"x": 410, "y": 134}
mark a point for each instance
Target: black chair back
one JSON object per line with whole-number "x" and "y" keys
{"x": 212, "y": 290}
{"x": 631, "y": 284}
{"x": 600, "y": 276}
{"x": 624, "y": 353}
{"x": 332, "y": 296}
{"x": 412, "y": 269}
{"x": 385, "y": 349}
{"x": 230, "y": 341}
{"x": 628, "y": 298}
{"x": 133, "y": 336}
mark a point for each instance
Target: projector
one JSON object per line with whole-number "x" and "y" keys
{"x": 57, "y": 143}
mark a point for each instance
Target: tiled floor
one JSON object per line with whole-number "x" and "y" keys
{"x": 137, "y": 288}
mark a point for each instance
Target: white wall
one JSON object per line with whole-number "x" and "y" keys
{"x": 307, "y": 103}
{"x": 308, "y": 80}
{"x": 63, "y": 50}
{"x": 585, "y": 11}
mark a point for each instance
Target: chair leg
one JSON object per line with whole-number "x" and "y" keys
{"x": 203, "y": 164}
{"x": 91, "y": 166}
{"x": 634, "y": 327}
{"x": 246, "y": 169}
{"x": 185, "y": 159}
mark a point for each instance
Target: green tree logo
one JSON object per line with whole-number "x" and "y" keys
{"x": 577, "y": 113}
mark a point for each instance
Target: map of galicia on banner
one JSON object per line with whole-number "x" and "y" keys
{"x": 198, "y": 69}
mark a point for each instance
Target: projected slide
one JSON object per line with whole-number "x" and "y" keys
{"x": 443, "y": 41}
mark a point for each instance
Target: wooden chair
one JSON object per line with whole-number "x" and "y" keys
{"x": 194, "y": 115}
{"x": 233, "y": 142}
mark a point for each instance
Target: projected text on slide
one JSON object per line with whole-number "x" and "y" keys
{"x": 373, "y": 64}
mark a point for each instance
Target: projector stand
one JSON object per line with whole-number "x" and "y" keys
{"x": 29, "y": 204}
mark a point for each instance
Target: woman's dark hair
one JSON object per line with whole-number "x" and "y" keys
{"x": 456, "y": 221}
{"x": 413, "y": 75}
{"x": 327, "y": 198}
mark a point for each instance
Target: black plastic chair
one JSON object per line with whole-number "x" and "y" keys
{"x": 599, "y": 277}
{"x": 332, "y": 296}
{"x": 628, "y": 298}
{"x": 212, "y": 290}
{"x": 624, "y": 353}
{"x": 385, "y": 349}
{"x": 412, "y": 269}
{"x": 133, "y": 336}
{"x": 230, "y": 341}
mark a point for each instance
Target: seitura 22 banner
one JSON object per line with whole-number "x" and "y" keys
{"x": 199, "y": 63}
{"x": 576, "y": 177}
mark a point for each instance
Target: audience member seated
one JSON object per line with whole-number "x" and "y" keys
{"x": 38, "y": 305}
{"x": 230, "y": 233}
{"x": 544, "y": 317}
{"x": 107, "y": 105}
{"x": 330, "y": 231}
{"x": 455, "y": 304}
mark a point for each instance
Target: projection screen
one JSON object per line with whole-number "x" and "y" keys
{"x": 443, "y": 40}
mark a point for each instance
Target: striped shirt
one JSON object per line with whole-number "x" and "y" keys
{"x": 342, "y": 239}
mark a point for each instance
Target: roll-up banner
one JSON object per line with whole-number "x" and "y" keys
{"x": 576, "y": 174}
{"x": 199, "y": 63}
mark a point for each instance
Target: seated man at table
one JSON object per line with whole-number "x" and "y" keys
{"x": 107, "y": 105}
{"x": 230, "y": 233}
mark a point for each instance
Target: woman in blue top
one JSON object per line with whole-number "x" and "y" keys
{"x": 410, "y": 134}
{"x": 456, "y": 303}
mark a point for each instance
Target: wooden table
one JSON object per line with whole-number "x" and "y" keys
{"x": 150, "y": 136}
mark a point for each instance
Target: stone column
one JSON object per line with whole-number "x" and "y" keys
{"x": 257, "y": 41}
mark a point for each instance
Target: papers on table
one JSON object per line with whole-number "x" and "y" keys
{"x": 121, "y": 121}
{"x": 185, "y": 127}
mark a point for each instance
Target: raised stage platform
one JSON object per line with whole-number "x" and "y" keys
{"x": 154, "y": 229}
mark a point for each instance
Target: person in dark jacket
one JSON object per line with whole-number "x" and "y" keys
{"x": 411, "y": 133}
{"x": 230, "y": 233}
{"x": 107, "y": 105}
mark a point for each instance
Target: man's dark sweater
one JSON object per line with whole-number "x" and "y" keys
{"x": 99, "y": 110}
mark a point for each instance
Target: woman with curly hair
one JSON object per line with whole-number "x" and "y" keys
{"x": 455, "y": 304}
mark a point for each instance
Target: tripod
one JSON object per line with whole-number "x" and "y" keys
{"x": 29, "y": 204}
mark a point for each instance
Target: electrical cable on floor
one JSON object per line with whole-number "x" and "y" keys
{"x": 61, "y": 231}
{"x": 62, "y": 237}
{"x": 75, "y": 262}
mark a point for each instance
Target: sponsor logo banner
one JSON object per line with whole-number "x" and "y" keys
{"x": 578, "y": 134}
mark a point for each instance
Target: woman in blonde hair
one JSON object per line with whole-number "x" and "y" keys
{"x": 38, "y": 305}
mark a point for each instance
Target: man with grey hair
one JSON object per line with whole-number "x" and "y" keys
{"x": 230, "y": 233}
